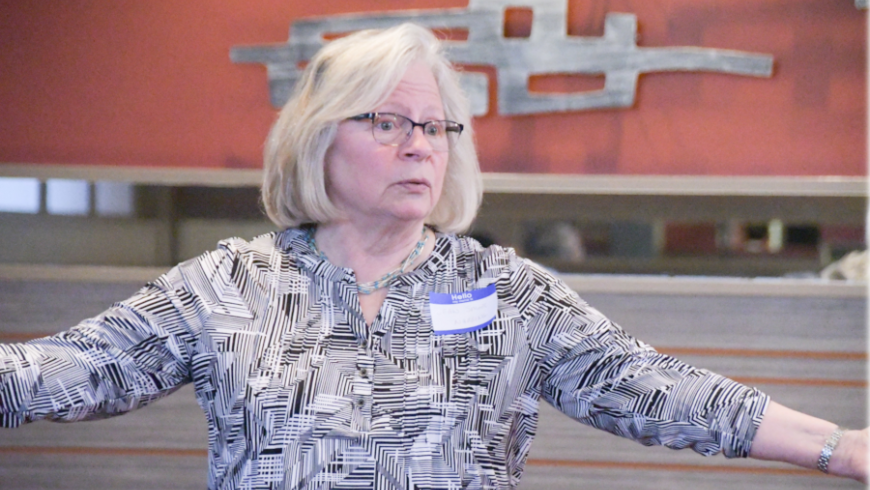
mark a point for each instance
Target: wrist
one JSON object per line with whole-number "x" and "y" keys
{"x": 831, "y": 444}
{"x": 849, "y": 459}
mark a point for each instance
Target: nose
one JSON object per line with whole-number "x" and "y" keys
{"x": 417, "y": 145}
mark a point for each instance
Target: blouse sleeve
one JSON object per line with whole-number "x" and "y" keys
{"x": 135, "y": 352}
{"x": 598, "y": 374}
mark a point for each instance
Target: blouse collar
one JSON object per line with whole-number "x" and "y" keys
{"x": 295, "y": 242}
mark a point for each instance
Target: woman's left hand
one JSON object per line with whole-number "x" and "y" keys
{"x": 850, "y": 456}
{"x": 797, "y": 438}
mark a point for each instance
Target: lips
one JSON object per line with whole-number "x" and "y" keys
{"x": 415, "y": 184}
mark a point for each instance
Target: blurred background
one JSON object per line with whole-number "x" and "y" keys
{"x": 720, "y": 217}
{"x": 127, "y": 131}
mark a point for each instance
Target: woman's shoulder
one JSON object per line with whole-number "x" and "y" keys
{"x": 265, "y": 243}
{"x": 290, "y": 242}
{"x": 468, "y": 248}
{"x": 484, "y": 256}
{"x": 255, "y": 253}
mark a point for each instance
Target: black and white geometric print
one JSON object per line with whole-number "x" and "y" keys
{"x": 300, "y": 393}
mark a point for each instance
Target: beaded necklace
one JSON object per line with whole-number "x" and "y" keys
{"x": 386, "y": 279}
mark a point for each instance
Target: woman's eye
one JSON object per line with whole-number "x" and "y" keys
{"x": 385, "y": 125}
{"x": 433, "y": 130}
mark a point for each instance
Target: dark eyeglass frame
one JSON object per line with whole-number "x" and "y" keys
{"x": 449, "y": 126}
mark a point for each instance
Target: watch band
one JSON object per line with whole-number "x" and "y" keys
{"x": 828, "y": 450}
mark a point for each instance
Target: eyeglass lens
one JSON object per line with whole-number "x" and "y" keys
{"x": 394, "y": 129}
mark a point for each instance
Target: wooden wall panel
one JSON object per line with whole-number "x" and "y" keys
{"x": 807, "y": 352}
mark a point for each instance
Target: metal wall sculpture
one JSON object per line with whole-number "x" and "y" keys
{"x": 548, "y": 50}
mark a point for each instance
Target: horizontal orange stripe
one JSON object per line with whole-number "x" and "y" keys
{"x": 621, "y": 465}
{"x": 674, "y": 351}
{"x": 634, "y": 465}
{"x": 837, "y": 383}
{"x": 20, "y": 337}
{"x": 104, "y": 451}
{"x": 777, "y": 354}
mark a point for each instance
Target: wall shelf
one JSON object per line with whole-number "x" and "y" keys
{"x": 502, "y": 183}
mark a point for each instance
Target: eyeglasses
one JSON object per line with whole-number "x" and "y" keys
{"x": 395, "y": 129}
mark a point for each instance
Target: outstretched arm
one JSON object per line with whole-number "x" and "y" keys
{"x": 135, "y": 352}
{"x": 122, "y": 359}
{"x": 793, "y": 437}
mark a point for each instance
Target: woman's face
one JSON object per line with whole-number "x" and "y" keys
{"x": 368, "y": 180}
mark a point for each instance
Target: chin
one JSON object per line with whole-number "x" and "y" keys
{"x": 412, "y": 213}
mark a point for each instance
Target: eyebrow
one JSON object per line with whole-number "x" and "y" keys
{"x": 404, "y": 111}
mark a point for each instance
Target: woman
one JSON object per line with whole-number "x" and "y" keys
{"x": 367, "y": 346}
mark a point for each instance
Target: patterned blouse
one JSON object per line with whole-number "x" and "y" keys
{"x": 300, "y": 393}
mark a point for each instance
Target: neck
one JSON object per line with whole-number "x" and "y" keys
{"x": 371, "y": 251}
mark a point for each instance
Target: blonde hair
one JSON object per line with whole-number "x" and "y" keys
{"x": 349, "y": 76}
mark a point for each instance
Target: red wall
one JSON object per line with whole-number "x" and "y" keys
{"x": 127, "y": 82}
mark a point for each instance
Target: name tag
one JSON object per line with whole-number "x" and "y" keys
{"x": 463, "y": 312}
